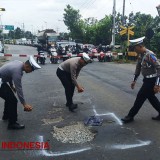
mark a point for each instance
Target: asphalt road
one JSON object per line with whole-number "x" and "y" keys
{"x": 107, "y": 94}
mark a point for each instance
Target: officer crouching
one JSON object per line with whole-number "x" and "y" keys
{"x": 149, "y": 66}
{"x": 10, "y": 82}
{"x": 68, "y": 72}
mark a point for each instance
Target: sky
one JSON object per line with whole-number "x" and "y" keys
{"x": 34, "y": 15}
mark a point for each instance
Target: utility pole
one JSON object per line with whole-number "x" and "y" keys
{"x": 158, "y": 9}
{"x": 113, "y": 29}
{"x": 123, "y": 13}
{"x": 23, "y": 30}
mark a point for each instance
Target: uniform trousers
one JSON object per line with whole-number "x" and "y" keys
{"x": 145, "y": 92}
{"x": 68, "y": 85}
{"x": 10, "y": 104}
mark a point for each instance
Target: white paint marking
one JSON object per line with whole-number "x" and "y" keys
{"x": 51, "y": 154}
{"x": 106, "y": 114}
{"x": 94, "y": 110}
{"x": 128, "y": 146}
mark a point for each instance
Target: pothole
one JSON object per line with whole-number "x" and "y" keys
{"x": 77, "y": 133}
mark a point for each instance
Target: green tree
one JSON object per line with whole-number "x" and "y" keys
{"x": 73, "y": 22}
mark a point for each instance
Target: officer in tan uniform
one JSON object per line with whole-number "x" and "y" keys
{"x": 68, "y": 72}
{"x": 149, "y": 66}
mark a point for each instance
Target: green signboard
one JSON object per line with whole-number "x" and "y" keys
{"x": 8, "y": 27}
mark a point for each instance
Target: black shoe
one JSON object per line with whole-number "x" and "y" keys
{"x": 4, "y": 118}
{"x": 127, "y": 119}
{"x": 72, "y": 107}
{"x": 72, "y": 104}
{"x": 16, "y": 126}
{"x": 156, "y": 118}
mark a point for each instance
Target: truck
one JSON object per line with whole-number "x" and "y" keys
{"x": 47, "y": 36}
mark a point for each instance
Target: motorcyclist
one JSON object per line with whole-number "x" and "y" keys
{"x": 85, "y": 49}
{"x": 73, "y": 49}
{"x": 53, "y": 55}
{"x": 66, "y": 49}
{"x": 100, "y": 48}
{"x": 39, "y": 49}
{"x": 60, "y": 49}
{"x": 49, "y": 46}
{"x": 78, "y": 49}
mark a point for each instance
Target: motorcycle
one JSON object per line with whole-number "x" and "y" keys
{"x": 54, "y": 56}
{"x": 41, "y": 58}
{"x": 102, "y": 57}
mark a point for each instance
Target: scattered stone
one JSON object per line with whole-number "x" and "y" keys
{"x": 77, "y": 133}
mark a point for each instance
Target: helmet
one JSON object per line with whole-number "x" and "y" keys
{"x": 86, "y": 58}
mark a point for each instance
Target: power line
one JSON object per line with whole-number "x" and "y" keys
{"x": 85, "y": 3}
{"x": 88, "y": 6}
{"x": 89, "y": 3}
{"x": 131, "y": 6}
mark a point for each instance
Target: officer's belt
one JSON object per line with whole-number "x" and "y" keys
{"x": 151, "y": 76}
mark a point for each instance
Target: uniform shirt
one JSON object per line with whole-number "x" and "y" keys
{"x": 12, "y": 72}
{"x": 73, "y": 67}
{"x": 148, "y": 65}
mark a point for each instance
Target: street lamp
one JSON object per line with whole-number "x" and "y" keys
{"x": 2, "y": 9}
{"x": 158, "y": 9}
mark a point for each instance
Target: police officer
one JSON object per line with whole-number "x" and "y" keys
{"x": 150, "y": 68}
{"x": 68, "y": 72}
{"x": 10, "y": 82}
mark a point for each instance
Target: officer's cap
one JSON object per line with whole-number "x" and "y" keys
{"x": 137, "y": 41}
{"x": 86, "y": 58}
{"x": 33, "y": 63}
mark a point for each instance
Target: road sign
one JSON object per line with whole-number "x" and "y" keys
{"x": 130, "y": 32}
{"x": 123, "y": 27}
{"x": 9, "y": 27}
{"x": 131, "y": 27}
{"x": 123, "y": 32}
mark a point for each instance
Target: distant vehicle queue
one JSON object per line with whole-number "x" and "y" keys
{"x": 65, "y": 50}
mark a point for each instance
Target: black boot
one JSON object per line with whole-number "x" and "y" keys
{"x": 4, "y": 118}
{"x": 72, "y": 107}
{"x": 15, "y": 126}
{"x": 127, "y": 119}
{"x": 156, "y": 118}
{"x": 72, "y": 104}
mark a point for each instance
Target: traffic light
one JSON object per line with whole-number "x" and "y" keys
{"x": 2, "y": 9}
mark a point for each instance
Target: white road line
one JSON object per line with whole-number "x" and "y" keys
{"x": 129, "y": 146}
{"x": 52, "y": 154}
